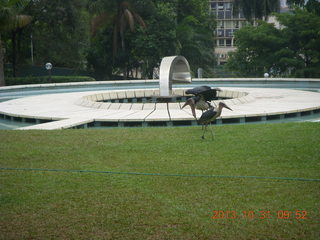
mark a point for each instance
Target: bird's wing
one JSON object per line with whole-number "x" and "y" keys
{"x": 198, "y": 90}
{"x": 209, "y": 94}
{"x": 207, "y": 116}
{"x": 205, "y": 92}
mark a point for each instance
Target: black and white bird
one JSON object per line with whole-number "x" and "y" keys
{"x": 201, "y": 99}
{"x": 210, "y": 115}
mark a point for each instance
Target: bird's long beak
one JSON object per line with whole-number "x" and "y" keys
{"x": 185, "y": 104}
{"x": 188, "y": 102}
{"x": 228, "y": 108}
{"x": 193, "y": 110}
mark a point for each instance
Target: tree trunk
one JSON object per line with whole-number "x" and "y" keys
{"x": 2, "y": 81}
{"x": 14, "y": 52}
{"x": 125, "y": 72}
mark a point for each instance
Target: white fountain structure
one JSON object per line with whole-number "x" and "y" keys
{"x": 174, "y": 69}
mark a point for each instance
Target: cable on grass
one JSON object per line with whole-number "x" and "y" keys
{"x": 158, "y": 174}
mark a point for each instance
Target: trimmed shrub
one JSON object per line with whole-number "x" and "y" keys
{"x": 46, "y": 79}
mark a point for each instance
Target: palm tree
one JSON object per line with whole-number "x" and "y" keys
{"x": 122, "y": 19}
{"x": 256, "y": 9}
{"x": 10, "y": 20}
{"x": 195, "y": 42}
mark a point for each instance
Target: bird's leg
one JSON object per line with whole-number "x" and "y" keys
{"x": 202, "y": 125}
{"x": 211, "y": 131}
{"x": 204, "y": 131}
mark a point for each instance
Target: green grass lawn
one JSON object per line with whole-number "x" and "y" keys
{"x": 71, "y": 205}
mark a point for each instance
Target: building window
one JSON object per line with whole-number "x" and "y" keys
{"x": 228, "y": 6}
{"x": 241, "y": 14}
{"x": 228, "y": 42}
{"x": 236, "y": 24}
{"x": 220, "y": 14}
{"x": 220, "y": 6}
{"x": 228, "y": 15}
{"x": 221, "y": 43}
{"x": 228, "y": 33}
{"x": 213, "y": 5}
{"x": 220, "y": 33}
{"x": 220, "y": 24}
{"x": 228, "y": 24}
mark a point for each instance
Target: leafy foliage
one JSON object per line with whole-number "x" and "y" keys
{"x": 122, "y": 19}
{"x": 172, "y": 27}
{"x": 296, "y": 2}
{"x": 60, "y": 32}
{"x": 310, "y": 5}
{"x": 256, "y": 9}
{"x": 125, "y": 37}
{"x": 157, "y": 40}
{"x": 11, "y": 19}
{"x": 118, "y": 17}
{"x": 293, "y": 50}
{"x": 195, "y": 35}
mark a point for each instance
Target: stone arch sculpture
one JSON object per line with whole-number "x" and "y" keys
{"x": 173, "y": 69}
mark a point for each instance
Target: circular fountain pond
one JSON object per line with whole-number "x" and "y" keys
{"x": 138, "y": 103}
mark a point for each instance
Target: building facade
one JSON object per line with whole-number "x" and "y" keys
{"x": 228, "y": 22}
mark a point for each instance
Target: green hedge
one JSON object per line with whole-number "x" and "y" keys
{"x": 46, "y": 79}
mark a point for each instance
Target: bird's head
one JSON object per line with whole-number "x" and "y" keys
{"x": 190, "y": 102}
{"x": 223, "y": 105}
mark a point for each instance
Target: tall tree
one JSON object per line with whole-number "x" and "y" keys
{"x": 256, "y": 9}
{"x": 257, "y": 50}
{"x": 303, "y": 38}
{"x": 11, "y": 18}
{"x": 292, "y": 3}
{"x": 293, "y": 50}
{"x": 60, "y": 32}
{"x": 121, "y": 16}
{"x": 195, "y": 28}
{"x": 159, "y": 39}
{"x": 310, "y": 5}
{"x": 173, "y": 27}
